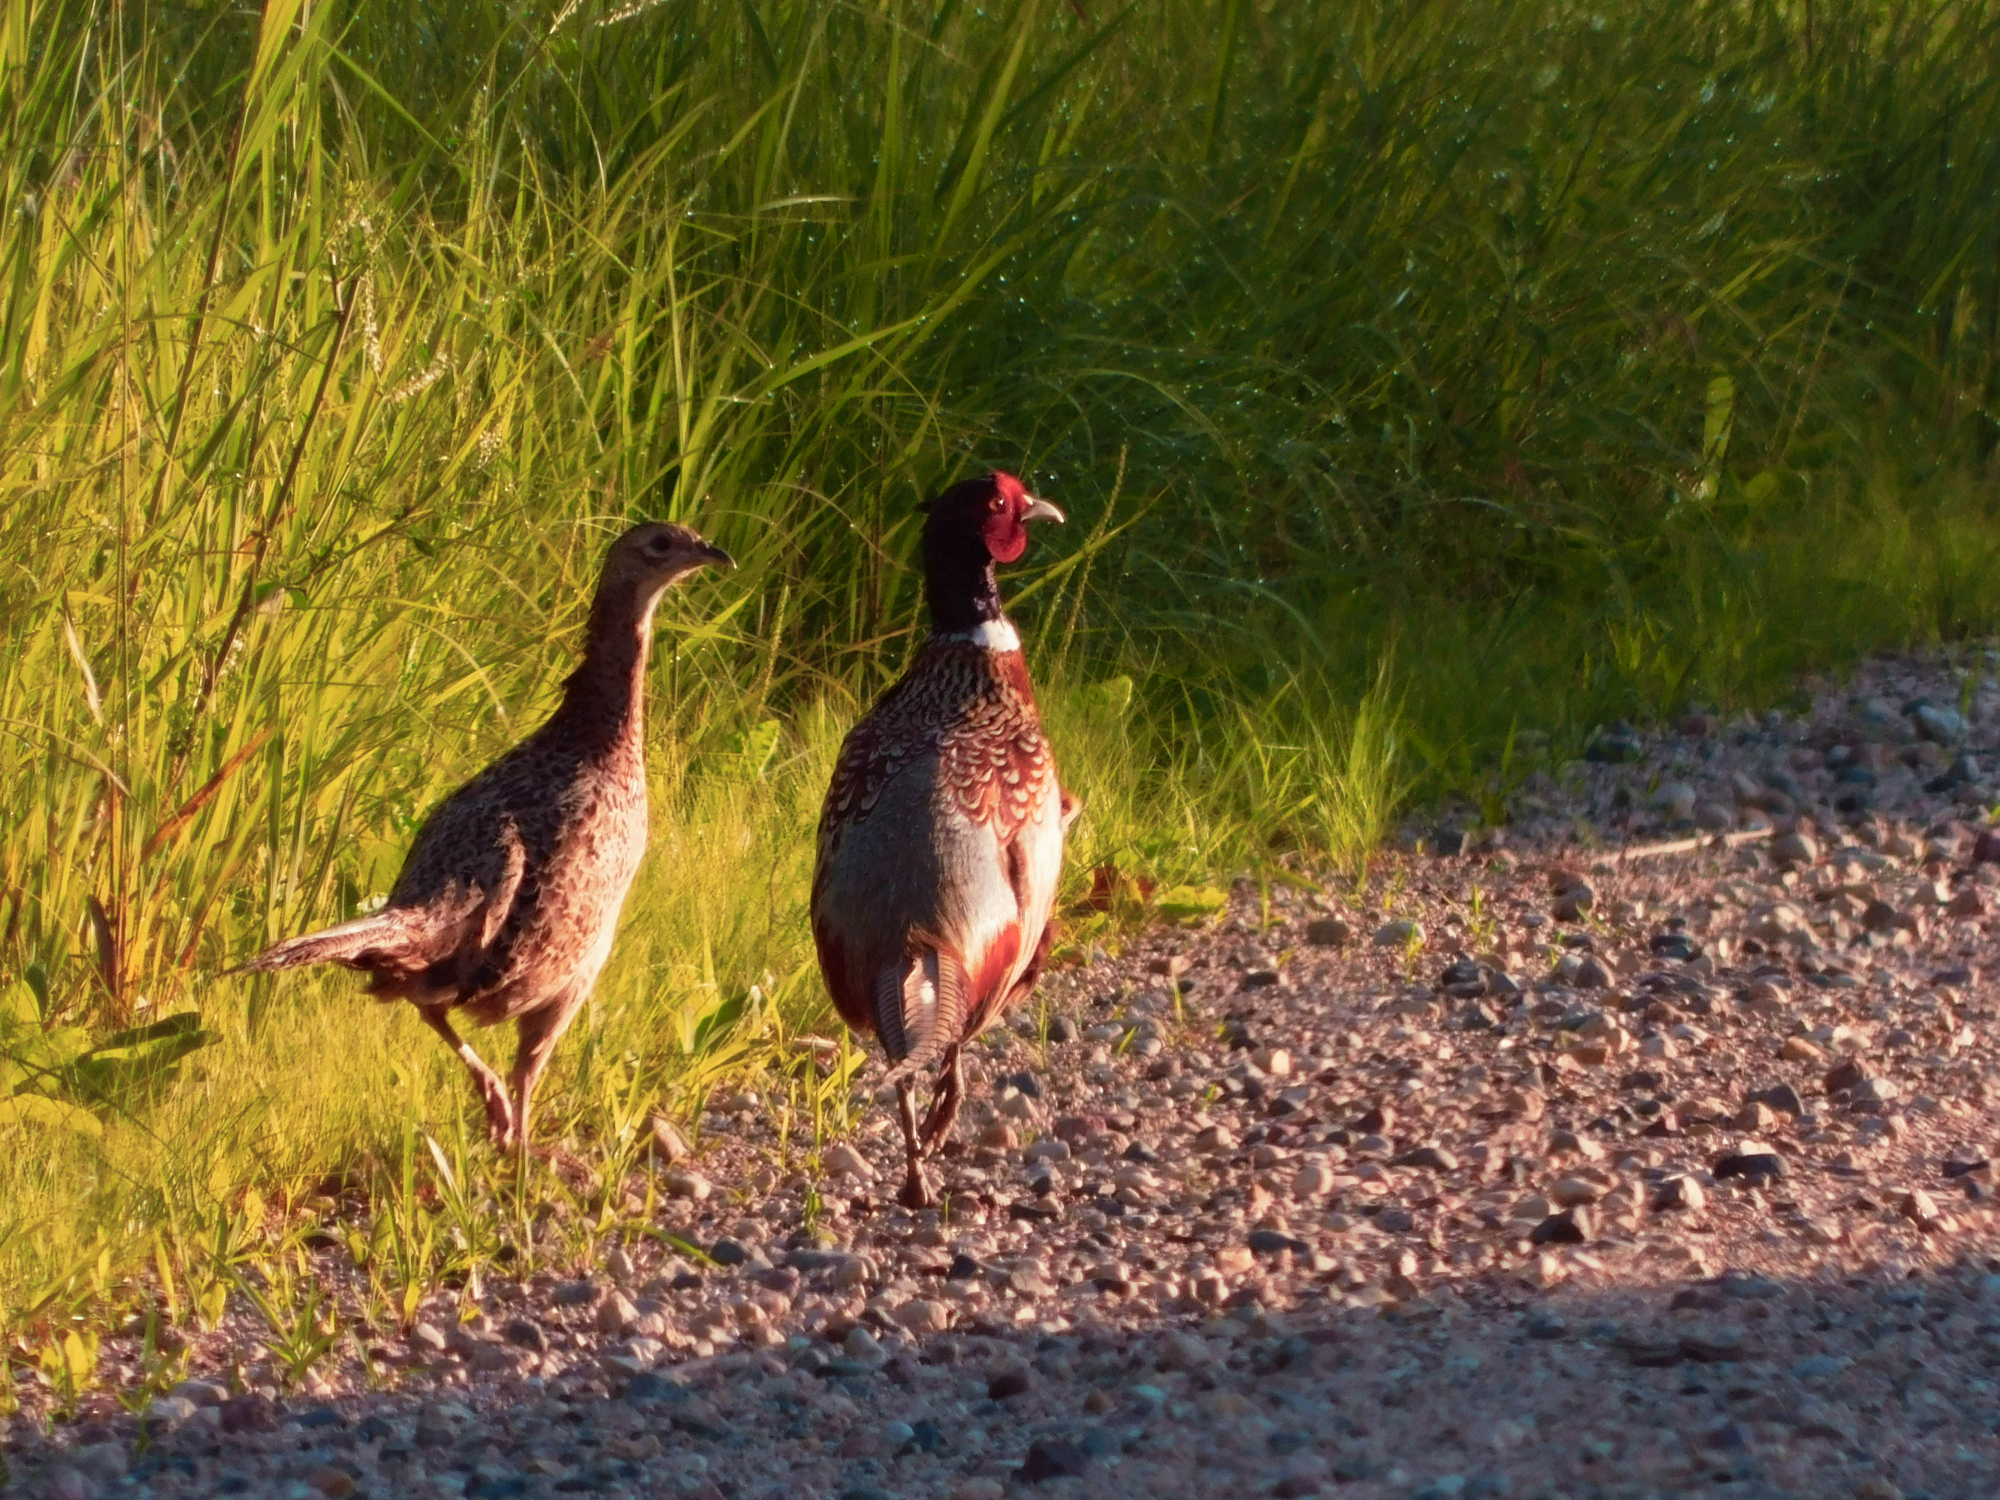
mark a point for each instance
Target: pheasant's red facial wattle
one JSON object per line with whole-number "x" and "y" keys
{"x": 1005, "y": 530}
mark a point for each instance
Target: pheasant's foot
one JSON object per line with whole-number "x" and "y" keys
{"x": 917, "y": 1191}
{"x": 499, "y": 1116}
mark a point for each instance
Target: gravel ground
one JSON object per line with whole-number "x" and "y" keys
{"x": 1645, "y": 1152}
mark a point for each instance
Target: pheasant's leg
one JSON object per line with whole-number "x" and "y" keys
{"x": 540, "y": 1031}
{"x": 916, "y": 1191}
{"x": 492, "y": 1092}
{"x": 944, "y": 1104}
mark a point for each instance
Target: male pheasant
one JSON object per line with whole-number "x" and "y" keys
{"x": 941, "y": 841}
{"x": 508, "y": 900}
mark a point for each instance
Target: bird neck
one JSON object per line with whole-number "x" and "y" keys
{"x": 604, "y": 700}
{"x": 963, "y": 592}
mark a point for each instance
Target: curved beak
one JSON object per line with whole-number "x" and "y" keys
{"x": 1041, "y": 510}
{"x": 717, "y": 556}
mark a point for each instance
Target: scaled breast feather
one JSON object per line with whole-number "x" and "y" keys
{"x": 985, "y": 732}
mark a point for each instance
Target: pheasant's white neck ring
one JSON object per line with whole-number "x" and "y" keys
{"x": 994, "y": 635}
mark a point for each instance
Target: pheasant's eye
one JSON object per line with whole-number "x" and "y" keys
{"x": 660, "y": 546}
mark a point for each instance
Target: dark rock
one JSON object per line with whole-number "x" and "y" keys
{"x": 249, "y": 1413}
{"x": 1378, "y": 1121}
{"x": 320, "y": 1416}
{"x": 1717, "y": 1346}
{"x": 1464, "y": 979}
{"x": 925, "y": 1436}
{"x": 1614, "y": 745}
{"x": 810, "y": 1261}
{"x": 1051, "y": 1458}
{"x": 1329, "y": 932}
{"x": 1027, "y": 1083}
{"x": 1677, "y": 947}
{"x": 1561, "y": 1229}
{"x": 1138, "y": 1151}
{"x": 1652, "y": 1354}
{"x": 1008, "y": 1382}
{"x": 1845, "y": 1075}
{"x": 728, "y": 1253}
{"x": 1542, "y": 1325}
{"x": 1677, "y": 1193}
{"x": 1063, "y": 1029}
{"x": 525, "y": 1333}
{"x": 576, "y": 1294}
{"x": 648, "y": 1387}
{"x": 963, "y": 1268}
{"x": 1260, "y": 979}
{"x": 1271, "y": 1242}
{"x": 1756, "y": 1166}
{"x": 1782, "y": 1097}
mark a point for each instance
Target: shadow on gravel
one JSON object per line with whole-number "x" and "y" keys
{"x": 1736, "y": 1386}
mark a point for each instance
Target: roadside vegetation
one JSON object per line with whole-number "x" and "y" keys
{"x": 1427, "y": 385}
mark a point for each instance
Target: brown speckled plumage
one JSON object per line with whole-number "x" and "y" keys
{"x": 940, "y": 843}
{"x": 509, "y": 898}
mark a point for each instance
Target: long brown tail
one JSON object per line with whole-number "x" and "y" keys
{"x": 388, "y": 931}
{"x": 920, "y": 1008}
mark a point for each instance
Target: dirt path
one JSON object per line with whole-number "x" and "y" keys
{"x": 1523, "y": 1171}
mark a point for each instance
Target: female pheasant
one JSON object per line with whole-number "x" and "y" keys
{"x": 942, "y": 836}
{"x": 509, "y": 898}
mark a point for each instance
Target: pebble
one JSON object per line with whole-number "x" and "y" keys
{"x": 863, "y": 1347}
{"x": 1051, "y": 1458}
{"x": 1679, "y": 1193}
{"x": 169, "y": 1412}
{"x": 843, "y": 1160}
{"x": 1403, "y": 932}
{"x": 1009, "y": 1380}
{"x": 1313, "y": 1180}
{"x": 683, "y": 1183}
{"x": 669, "y": 1147}
{"x": 921, "y": 1315}
{"x": 1329, "y": 932}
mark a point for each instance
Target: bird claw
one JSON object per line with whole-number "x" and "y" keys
{"x": 500, "y": 1122}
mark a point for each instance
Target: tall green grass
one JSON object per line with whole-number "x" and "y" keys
{"x": 1411, "y": 373}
